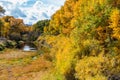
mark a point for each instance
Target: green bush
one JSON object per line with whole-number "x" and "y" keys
{"x": 10, "y": 44}
{"x": 2, "y": 46}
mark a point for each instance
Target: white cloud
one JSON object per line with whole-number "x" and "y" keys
{"x": 31, "y": 10}
{"x": 15, "y": 1}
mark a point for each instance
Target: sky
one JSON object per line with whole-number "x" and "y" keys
{"x": 31, "y": 11}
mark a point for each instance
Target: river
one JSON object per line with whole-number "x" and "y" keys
{"x": 29, "y": 47}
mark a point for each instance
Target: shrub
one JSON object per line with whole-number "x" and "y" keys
{"x": 97, "y": 68}
{"x": 2, "y": 46}
{"x": 15, "y": 36}
{"x": 10, "y": 44}
{"x": 62, "y": 53}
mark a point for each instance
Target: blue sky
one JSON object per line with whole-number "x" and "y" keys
{"x": 31, "y": 10}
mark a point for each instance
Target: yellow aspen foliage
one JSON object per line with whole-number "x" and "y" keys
{"x": 62, "y": 18}
{"x": 63, "y": 52}
{"x": 64, "y": 56}
{"x": 6, "y": 29}
{"x": 45, "y": 29}
{"x": 101, "y": 34}
{"x": 92, "y": 48}
{"x": 90, "y": 68}
{"x": 115, "y": 23}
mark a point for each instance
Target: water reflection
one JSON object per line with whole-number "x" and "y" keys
{"x": 28, "y": 47}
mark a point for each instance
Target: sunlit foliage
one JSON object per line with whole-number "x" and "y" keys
{"x": 85, "y": 39}
{"x": 115, "y": 23}
{"x": 82, "y": 40}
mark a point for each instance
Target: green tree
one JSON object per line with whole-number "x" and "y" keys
{"x": 38, "y": 29}
{"x": 1, "y": 24}
{"x": 39, "y": 26}
{"x": 2, "y": 11}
